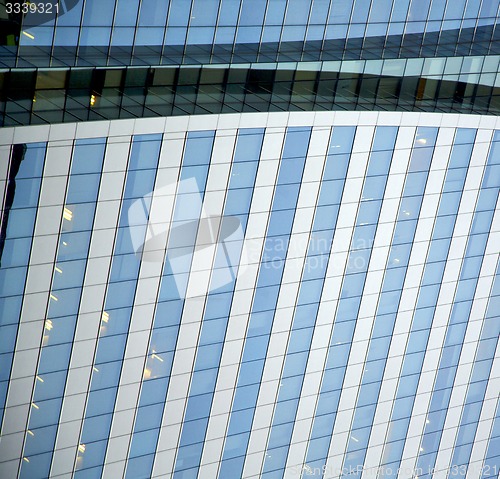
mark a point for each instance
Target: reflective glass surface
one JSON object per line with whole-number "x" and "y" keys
{"x": 375, "y": 239}
{"x": 191, "y": 31}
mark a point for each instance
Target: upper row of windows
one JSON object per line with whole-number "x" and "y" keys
{"x": 254, "y": 17}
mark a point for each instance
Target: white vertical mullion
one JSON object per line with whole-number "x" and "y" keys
{"x": 227, "y": 379}
{"x": 192, "y": 314}
{"x": 136, "y": 352}
{"x": 282, "y": 324}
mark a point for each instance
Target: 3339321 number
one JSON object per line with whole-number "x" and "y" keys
{"x": 28, "y": 7}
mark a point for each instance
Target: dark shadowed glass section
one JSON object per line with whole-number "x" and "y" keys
{"x": 453, "y": 85}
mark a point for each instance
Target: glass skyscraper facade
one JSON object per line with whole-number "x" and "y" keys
{"x": 250, "y": 239}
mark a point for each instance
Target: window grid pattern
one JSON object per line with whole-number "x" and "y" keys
{"x": 458, "y": 320}
{"x": 480, "y": 375}
{"x": 258, "y": 333}
{"x": 265, "y": 298}
{"x": 205, "y": 22}
{"x": 115, "y": 320}
{"x": 389, "y": 300}
{"x": 348, "y": 307}
{"x": 430, "y": 285}
{"x": 64, "y": 300}
{"x": 384, "y": 321}
{"x": 218, "y": 305}
{"x": 491, "y": 464}
{"x": 17, "y": 226}
{"x": 312, "y": 283}
{"x": 108, "y": 32}
{"x": 168, "y": 314}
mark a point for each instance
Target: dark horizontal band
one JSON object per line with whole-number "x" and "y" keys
{"x": 67, "y": 95}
